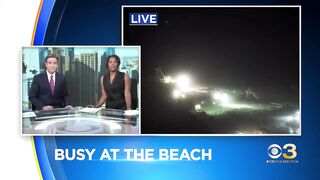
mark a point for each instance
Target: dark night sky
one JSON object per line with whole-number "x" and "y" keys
{"x": 240, "y": 47}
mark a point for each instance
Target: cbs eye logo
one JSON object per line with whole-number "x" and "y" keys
{"x": 288, "y": 151}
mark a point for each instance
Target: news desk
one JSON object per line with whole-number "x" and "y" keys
{"x": 74, "y": 121}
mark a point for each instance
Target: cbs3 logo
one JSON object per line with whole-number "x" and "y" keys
{"x": 288, "y": 151}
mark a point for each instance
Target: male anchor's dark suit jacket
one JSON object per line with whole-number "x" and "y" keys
{"x": 40, "y": 93}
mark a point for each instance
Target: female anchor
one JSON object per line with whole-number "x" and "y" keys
{"x": 115, "y": 86}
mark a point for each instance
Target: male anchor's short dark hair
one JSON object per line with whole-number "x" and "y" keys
{"x": 51, "y": 56}
{"x": 113, "y": 56}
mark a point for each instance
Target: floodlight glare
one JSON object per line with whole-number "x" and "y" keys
{"x": 168, "y": 79}
{"x": 221, "y": 97}
{"x": 290, "y": 118}
{"x": 293, "y": 117}
{"x": 197, "y": 107}
{"x": 224, "y": 98}
{"x": 176, "y": 94}
{"x": 216, "y": 95}
{"x": 183, "y": 82}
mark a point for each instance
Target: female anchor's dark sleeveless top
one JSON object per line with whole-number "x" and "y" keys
{"x": 115, "y": 91}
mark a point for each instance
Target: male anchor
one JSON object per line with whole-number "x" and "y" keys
{"x": 49, "y": 88}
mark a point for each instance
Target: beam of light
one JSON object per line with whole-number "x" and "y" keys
{"x": 183, "y": 82}
{"x": 295, "y": 117}
{"x": 238, "y": 106}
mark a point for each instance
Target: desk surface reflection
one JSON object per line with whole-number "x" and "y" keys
{"x": 74, "y": 121}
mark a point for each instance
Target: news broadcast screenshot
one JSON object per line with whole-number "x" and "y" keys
{"x": 159, "y": 90}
